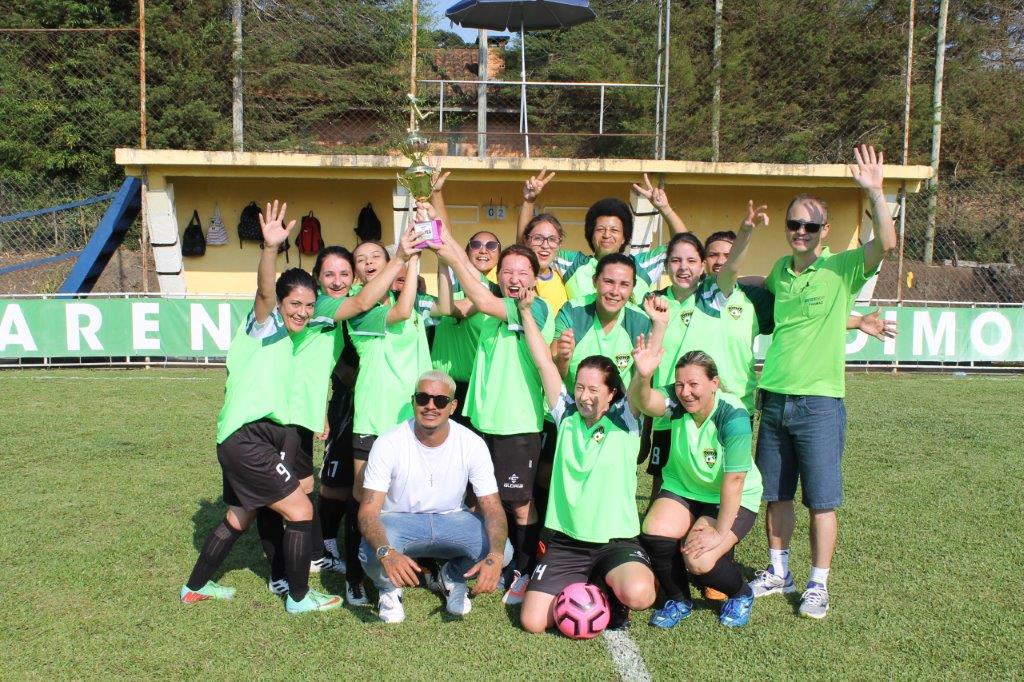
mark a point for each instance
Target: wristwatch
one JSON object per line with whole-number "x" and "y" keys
{"x": 384, "y": 550}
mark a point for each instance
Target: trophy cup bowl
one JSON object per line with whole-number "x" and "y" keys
{"x": 418, "y": 177}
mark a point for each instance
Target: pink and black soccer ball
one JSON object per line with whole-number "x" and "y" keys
{"x": 581, "y": 611}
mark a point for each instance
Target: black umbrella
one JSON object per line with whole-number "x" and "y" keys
{"x": 509, "y": 15}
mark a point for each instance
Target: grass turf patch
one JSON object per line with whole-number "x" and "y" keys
{"x": 111, "y": 484}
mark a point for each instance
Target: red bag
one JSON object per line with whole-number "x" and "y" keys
{"x": 309, "y": 242}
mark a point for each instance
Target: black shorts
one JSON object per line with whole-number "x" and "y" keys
{"x": 661, "y": 446}
{"x": 515, "y": 460}
{"x": 563, "y": 560}
{"x": 338, "y": 471}
{"x": 548, "y": 440}
{"x": 304, "y": 455}
{"x": 258, "y": 464}
{"x": 744, "y": 521}
{"x": 361, "y": 444}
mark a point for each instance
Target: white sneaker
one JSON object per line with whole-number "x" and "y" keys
{"x": 458, "y": 603}
{"x": 766, "y": 582}
{"x": 327, "y": 563}
{"x": 278, "y": 587}
{"x": 814, "y": 601}
{"x": 389, "y": 607}
{"x": 515, "y": 594}
{"x": 355, "y": 595}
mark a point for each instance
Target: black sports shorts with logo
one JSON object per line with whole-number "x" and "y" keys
{"x": 563, "y": 560}
{"x": 258, "y": 464}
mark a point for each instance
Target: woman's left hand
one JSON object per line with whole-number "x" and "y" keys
{"x": 700, "y": 540}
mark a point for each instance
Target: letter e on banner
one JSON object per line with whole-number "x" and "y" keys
{"x": 219, "y": 332}
{"x": 143, "y": 325}
{"x": 14, "y": 330}
{"x": 74, "y": 313}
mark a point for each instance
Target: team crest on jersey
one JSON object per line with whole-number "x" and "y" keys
{"x": 735, "y": 311}
{"x": 599, "y": 434}
{"x": 710, "y": 456}
{"x": 622, "y": 360}
{"x": 685, "y": 316}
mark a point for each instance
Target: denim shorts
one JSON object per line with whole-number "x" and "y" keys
{"x": 801, "y": 437}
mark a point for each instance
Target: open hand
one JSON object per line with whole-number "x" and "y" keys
{"x": 874, "y": 325}
{"x": 755, "y": 216}
{"x": 868, "y": 171}
{"x": 646, "y": 359}
{"x": 272, "y": 224}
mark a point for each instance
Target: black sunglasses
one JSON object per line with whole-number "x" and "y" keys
{"x": 477, "y": 244}
{"x": 423, "y": 399}
{"x": 810, "y": 228}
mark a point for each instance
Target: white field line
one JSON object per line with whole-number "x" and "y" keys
{"x": 628, "y": 661}
{"x": 125, "y": 378}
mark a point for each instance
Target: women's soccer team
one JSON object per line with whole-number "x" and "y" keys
{"x": 572, "y": 366}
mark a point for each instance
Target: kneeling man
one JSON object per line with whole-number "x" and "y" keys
{"x": 413, "y": 504}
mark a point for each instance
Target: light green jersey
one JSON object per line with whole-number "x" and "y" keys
{"x": 578, "y": 270}
{"x": 702, "y": 455}
{"x": 593, "y": 478}
{"x": 591, "y": 339}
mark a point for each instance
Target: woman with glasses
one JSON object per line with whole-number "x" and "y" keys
{"x": 544, "y": 234}
{"x": 608, "y": 228}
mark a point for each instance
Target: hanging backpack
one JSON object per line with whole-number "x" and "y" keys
{"x": 249, "y": 225}
{"x": 193, "y": 243}
{"x": 309, "y": 241}
{"x": 216, "y": 235}
{"x": 368, "y": 225}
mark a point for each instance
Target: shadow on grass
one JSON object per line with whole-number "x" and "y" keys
{"x": 247, "y": 554}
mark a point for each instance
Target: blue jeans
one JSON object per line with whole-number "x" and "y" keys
{"x": 459, "y": 537}
{"x": 802, "y": 436}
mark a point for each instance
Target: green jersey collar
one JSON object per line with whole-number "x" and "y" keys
{"x": 825, "y": 253}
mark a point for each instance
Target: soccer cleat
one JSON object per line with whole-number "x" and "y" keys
{"x": 711, "y": 594}
{"x": 457, "y": 602}
{"x": 515, "y": 594}
{"x": 814, "y": 601}
{"x": 278, "y": 587}
{"x": 327, "y": 562}
{"x": 671, "y": 614}
{"x": 766, "y": 582}
{"x": 355, "y": 595}
{"x": 313, "y": 601}
{"x": 736, "y": 611}
{"x": 389, "y": 607}
{"x": 210, "y": 590}
{"x": 619, "y": 619}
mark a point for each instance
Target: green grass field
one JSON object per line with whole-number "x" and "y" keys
{"x": 110, "y": 483}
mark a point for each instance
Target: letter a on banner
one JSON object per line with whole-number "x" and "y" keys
{"x": 14, "y": 330}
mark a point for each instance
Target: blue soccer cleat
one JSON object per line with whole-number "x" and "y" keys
{"x": 736, "y": 611}
{"x": 671, "y": 614}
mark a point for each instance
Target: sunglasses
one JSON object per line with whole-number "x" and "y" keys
{"x": 476, "y": 244}
{"x": 809, "y": 227}
{"x": 423, "y": 399}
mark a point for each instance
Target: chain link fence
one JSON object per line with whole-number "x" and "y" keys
{"x": 788, "y": 81}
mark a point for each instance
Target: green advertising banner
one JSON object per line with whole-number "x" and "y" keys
{"x": 190, "y": 328}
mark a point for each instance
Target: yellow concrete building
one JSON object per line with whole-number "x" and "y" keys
{"x": 481, "y": 194}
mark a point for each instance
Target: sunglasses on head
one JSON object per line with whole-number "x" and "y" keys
{"x": 809, "y": 227}
{"x": 423, "y": 399}
{"x": 477, "y": 244}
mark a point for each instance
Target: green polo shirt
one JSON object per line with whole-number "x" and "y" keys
{"x": 617, "y": 344}
{"x": 391, "y": 359}
{"x": 808, "y": 351}
{"x": 593, "y": 477}
{"x": 259, "y": 364}
{"x": 314, "y": 358}
{"x": 578, "y": 270}
{"x": 703, "y": 455}
{"x": 505, "y": 394}
{"x": 454, "y": 347}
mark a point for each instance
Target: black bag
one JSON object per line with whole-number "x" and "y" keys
{"x": 368, "y": 225}
{"x": 193, "y": 243}
{"x": 249, "y": 225}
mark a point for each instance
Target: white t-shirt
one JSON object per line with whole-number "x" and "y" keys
{"x": 423, "y": 480}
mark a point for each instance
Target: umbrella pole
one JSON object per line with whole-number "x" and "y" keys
{"x": 524, "y": 122}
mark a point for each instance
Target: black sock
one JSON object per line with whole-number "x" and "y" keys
{"x": 530, "y": 538}
{"x": 353, "y": 567}
{"x": 667, "y": 565}
{"x": 524, "y": 542}
{"x": 218, "y": 543}
{"x": 316, "y": 533}
{"x": 270, "y": 526}
{"x": 725, "y": 577}
{"x": 298, "y": 541}
{"x": 331, "y": 514}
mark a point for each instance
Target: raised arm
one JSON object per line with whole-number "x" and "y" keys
{"x": 531, "y": 191}
{"x": 646, "y": 360}
{"x": 656, "y": 308}
{"x": 549, "y": 375}
{"x": 731, "y": 270}
{"x": 868, "y": 173}
{"x": 381, "y": 284}
{"x": 274, "y": 234}
{"x": 437, "y": 197}
{"x": 479, "y": 295}
{"x": 402, "y": 309}
{"x": 658, "y": 199}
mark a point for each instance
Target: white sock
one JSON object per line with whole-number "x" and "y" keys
{"x": 819, "y": 575}
{"x": 780, "y": 561}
